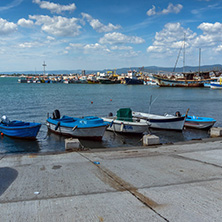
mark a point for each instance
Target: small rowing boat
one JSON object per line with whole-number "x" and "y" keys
{"x": 125, "y": 123}
{"x": 199, "y": 122}
{"x": 89, "y": 127}
{"x": 166, "y": 122}
{"x": 19, "y": 129}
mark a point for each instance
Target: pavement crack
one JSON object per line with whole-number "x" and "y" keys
{"x": 195, "y": 160}
{"x": 122, "y": 185}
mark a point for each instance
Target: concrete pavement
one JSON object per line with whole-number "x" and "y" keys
{"x": 181, "y": 182}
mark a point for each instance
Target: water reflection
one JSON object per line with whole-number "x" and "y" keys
{"x": 112, "y": 140}
{"x": 53, "y": 142}
{"x": 13, "y": 145}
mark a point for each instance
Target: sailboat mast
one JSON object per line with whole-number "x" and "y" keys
{"x": 184, "y": 53}
{"x": 199, "y": 59}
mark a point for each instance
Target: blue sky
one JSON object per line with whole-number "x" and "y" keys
{"x": 102, "y": 34}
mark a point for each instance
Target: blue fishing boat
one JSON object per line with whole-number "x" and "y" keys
{"x": 199, "y": 122}
{"x": 19, "y": 129}
{"x": 89, "y": 127}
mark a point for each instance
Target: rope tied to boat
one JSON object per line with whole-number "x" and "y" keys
{"x": 75, "y": 127}
{"x": 57, "y": 125}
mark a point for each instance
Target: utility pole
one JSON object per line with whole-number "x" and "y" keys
{"x": 44, "y": 65}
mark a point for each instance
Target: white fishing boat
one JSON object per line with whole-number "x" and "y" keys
{"x": 166, "y": 122}
{"x": 125, "y": 123}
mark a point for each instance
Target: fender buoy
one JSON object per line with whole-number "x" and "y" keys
{"x": 121, "y": 127}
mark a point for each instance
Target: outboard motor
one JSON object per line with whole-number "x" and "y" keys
{"x": 56, "y": 114}
{"x": 5, "y": 120}
{"x": 178, "y": 114}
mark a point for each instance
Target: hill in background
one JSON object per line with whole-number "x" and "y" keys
{"x": 148, "y": 69}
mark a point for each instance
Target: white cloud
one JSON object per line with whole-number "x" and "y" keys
{"x": 209, "y": 28}
{"x": 98, "y": 26}
{"x": 119, "y": 38}
{"x": 170, "y": 9}
{"x": 55, "y": 8}
{"x": 88, "y": 48}
{"x": 25, "y": 23}
{"x": 168, "y": 41}
{"x": 75, "y": 46}
{"x": 171, "y": 37}
{"x": 121, "y": 47}
{"x": 7, "y": 27}
{"x": 95, "y": 47}
{"x": 219, "y": 48}
{"x": 11, "y": 5}
{"x": 28, "y": 44}
{"x": 58, "y": 25}
{"x": 151, "y": 11}
{"x": 50, "y": 38}
{"x": 212, "y": 35}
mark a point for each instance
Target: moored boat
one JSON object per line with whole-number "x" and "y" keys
{"x": 132, "y": 78}
{"x": 89, "y": 127}
{"x": 187, "y": 80}
{"x": 19, "y": 129}
{"x": 92, "y": 79}
{"x": 199, "y": 122}
{"x": 217, "y": 84}
{"x": 166, "y": 122}
{"x": 22, "y": 80}
{"x": 125, "y": 123}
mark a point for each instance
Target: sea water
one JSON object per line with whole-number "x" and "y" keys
{"x": 32, "y": 102}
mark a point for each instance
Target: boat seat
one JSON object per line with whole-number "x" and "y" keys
{"x": 18, "y": 123}
{"x": 125, "y": 114}
{"x": 67, "y": 119}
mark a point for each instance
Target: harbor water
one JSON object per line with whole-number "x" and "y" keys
{"x": 32, "y": 102}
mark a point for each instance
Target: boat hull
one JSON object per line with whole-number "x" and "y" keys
{"x": 79, "y": 128}
{"x": 120, "y": 126}
{"x": 167, "y": 122}
{"x": 131, "y": 81}
{"x": 165, "y": 82}
{"x": 95, "y": 133}
{"x": 215, "y": 85}
{"x": 199, "y": 122}
{"x": 23, "y": 132}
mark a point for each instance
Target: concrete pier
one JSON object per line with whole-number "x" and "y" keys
{"x": 149, "y": 140}
{"x": 181, "y": 182}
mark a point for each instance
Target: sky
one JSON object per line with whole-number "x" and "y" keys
{"x": 104, "y": 34}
